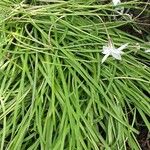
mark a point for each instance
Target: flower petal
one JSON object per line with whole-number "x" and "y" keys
{"x": 116, "y": 56}
{"x": 122, "y": 47}
{"x": 147, "y": 51}
{"x": 106, "y": 50}
{"x": 105, "y": 57}
{"x": 116, "y": 2}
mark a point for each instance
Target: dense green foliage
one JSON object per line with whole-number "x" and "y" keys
{"x": 54, "y": 92}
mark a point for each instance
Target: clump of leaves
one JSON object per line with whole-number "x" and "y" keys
{"x": 54, "y": 91}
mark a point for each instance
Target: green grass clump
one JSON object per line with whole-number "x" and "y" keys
{"x": 55, "y": 94}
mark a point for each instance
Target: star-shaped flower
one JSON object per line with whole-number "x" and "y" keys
{"x": 111, "y": 50}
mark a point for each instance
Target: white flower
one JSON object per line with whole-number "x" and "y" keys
{"x": 116, "y": 2}
{"x": 111, "y": 50}
{"x": 147, "y": 51}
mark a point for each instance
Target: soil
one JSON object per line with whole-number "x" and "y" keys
{"x": 144, "y": 136}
